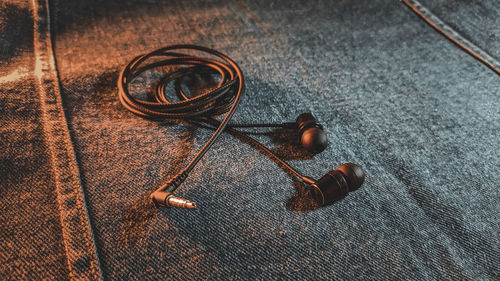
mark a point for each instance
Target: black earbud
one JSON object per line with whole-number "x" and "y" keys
{"x": 311, "y": 134}
{"x": 338, "y": 183}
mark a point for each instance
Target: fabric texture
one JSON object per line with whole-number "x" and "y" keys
{"x": 421, "y": 117}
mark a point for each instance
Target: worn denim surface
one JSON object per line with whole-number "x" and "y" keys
{"x": 419, "y": 114}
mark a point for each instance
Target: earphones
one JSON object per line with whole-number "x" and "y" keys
{"x": 336, "y": 184}
{"x": 223, "y": 98}
{"x": 312, "y": 136}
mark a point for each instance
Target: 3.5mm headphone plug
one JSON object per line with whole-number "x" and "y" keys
{"x": 167, "y": 199}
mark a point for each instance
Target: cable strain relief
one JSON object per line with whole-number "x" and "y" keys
{"x": 174, "y": 182}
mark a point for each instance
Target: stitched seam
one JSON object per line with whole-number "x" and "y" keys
{"x": 79, "y": 243}
{"x": 453, "y": 35}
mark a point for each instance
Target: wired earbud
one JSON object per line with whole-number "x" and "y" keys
{"x": 224, "y": 98}
{"x": 338, "y": 183}
{"x": 309, "y": 131}
{"x": 311, "y": 134}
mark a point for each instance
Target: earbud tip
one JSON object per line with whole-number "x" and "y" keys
{"x": 354, "y": 174}
{"x": 314, "y": 140}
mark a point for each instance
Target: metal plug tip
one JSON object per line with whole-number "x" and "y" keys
{"x": 177, "y": 202}
{"x": 191, "y": 205}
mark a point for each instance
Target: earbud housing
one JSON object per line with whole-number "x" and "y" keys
{"x": 311, "y": 134}
{"x": 338, "y": 183}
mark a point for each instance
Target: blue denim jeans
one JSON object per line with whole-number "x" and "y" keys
{"x": 393, "y": 95}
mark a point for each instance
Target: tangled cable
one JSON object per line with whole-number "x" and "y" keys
{"x": 225, "y": 97}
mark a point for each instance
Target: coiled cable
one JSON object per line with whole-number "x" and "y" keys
{"x": 223, "y": 99}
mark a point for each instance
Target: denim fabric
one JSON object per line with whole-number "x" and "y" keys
{"x": 479, "y": 22}
{"x": 421, "y": 116}
{"x": 46, "y": 233}
{"x": 31, "y": 242}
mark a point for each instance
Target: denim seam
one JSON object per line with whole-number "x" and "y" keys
{"x": 455, "y": 37}
{"x": 79, "y": 243}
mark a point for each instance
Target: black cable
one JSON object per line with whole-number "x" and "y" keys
{"x": 224, "y": 98}
{"x": 271, "y": 154}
